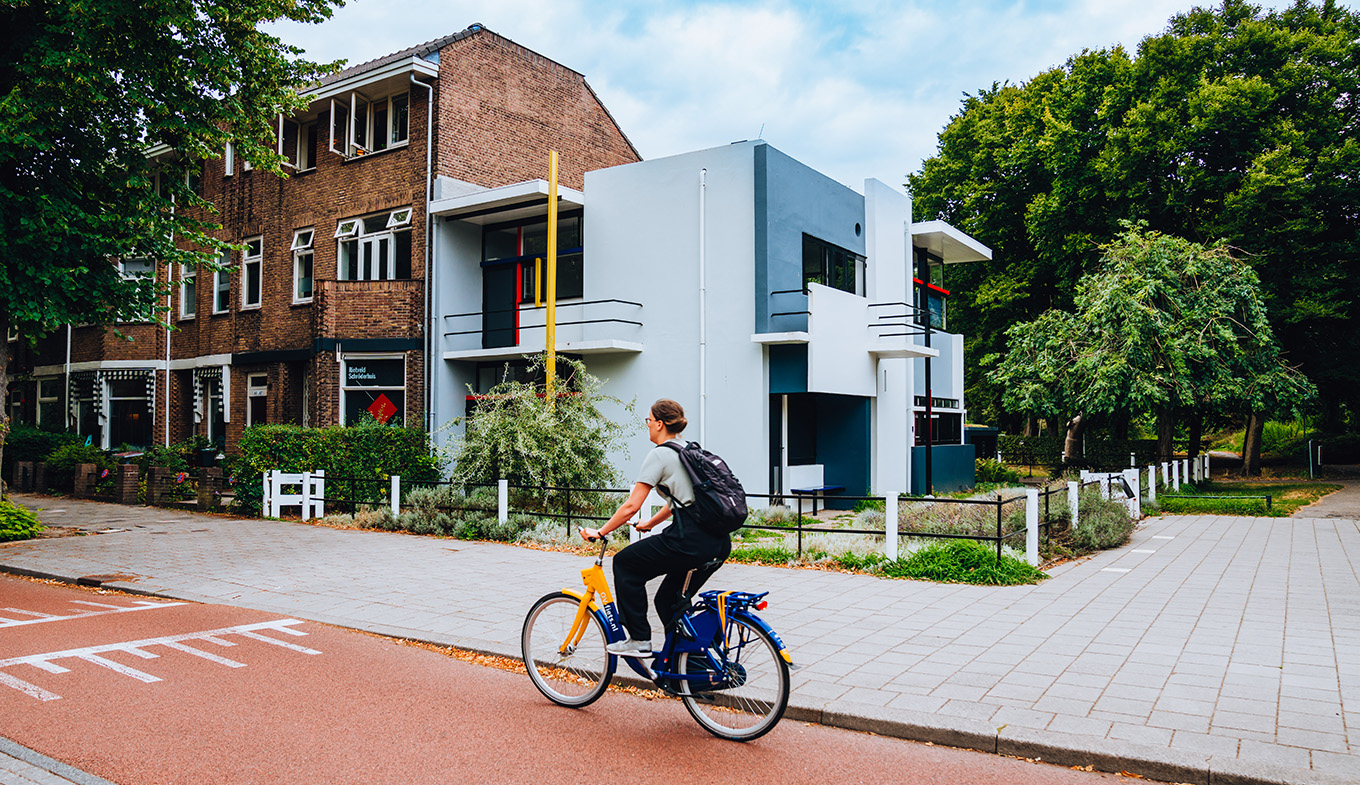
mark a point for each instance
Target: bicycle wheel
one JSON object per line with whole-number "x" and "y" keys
{"x": 751, "y": 695}
{"x": 574, "y": 678}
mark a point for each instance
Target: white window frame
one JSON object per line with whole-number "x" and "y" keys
{"x": 45, "y": 401}
{"x": 188, "y": 303}
{"x": 150, "y": 272}
{"x": 255, "y": 260}
{"x": 12, "y": 334}
{"x": 401, "y": 217}
{"x": 351, "y": 131}
{"x": 304, "y": 244}
{"x": 350, "y": 230}
{"x": 257, "y": 386}
{"x": 346, "y": 359}
{"x": 222, "y": 285}
{"x": 229, "y": 160}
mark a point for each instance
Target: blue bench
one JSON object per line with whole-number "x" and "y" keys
{"x": 817, "y": 491}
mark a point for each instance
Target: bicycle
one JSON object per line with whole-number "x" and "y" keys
{"x": 728, "y": 667}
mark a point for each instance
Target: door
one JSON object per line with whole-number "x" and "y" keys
{"x": 500, "y": 306}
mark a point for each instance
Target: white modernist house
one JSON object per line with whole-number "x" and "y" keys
{"x": 777, "y": 305}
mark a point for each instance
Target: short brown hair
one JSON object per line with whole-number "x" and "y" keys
{"x": 670, "y": 414}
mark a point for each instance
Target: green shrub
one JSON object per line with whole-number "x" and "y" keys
{"x": 17, "y": 523}
{"x": 990, "y": 470}
{"x": 1101, "y": 523}
{"x": 29, "y": 443}
{"x": 963, "y": 561}
{"x": 62, "y": 463}
{"x": 368, "y": 452}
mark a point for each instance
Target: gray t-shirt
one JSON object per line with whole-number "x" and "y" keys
{"x": 662, "y": 467}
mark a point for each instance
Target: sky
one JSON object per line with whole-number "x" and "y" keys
{"x": 854, "y": 89}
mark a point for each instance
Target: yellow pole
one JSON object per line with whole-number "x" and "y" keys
{"x": 552, "y": 273}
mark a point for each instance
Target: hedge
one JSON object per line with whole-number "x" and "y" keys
{"x": 367, "y": 451}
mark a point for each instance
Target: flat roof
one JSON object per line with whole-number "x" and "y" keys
{"x": 948, "y": 242}
{"x": 526, "y": 199}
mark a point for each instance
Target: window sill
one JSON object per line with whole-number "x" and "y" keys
{"x": 188, "y": 318}
{"x": 254, "y": 307}
{"x": 221, "y": 313}
{"x": 307, "y": 301}
{"x": 366, "y": 156}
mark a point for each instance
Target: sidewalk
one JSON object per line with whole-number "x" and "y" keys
{"x": 1208, "y": 648}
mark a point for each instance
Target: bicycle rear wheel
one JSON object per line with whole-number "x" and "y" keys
{"x": 576, "y": 677}
{"x": 750, "y": 695}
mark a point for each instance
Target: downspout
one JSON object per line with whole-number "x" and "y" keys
{"x": 429, "y": 257}
{"x": 703, "y": 309}
{"x": 66, "y": 371}
{"x": 165, "y": 406}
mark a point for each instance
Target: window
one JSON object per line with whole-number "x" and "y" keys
{"x": 229, "y": 159}
{"x": 829, "y": 265}
{"x": 51, "y": 414}
{"x": 303, "y": 240}
{"x": 16, "y": 402}
{"x": 217, "y": 423}
{"x": 257, "y": 399}
{"x": 297, "y": 144}
{"x": 525, "y": 243}
{"x": 375, "y": 248}
{"x": 12, "y": 334}
{"x": 188, "y": 291}
{"x": 360, "y": 126}
{"x": 373, "y": 386}
{"x": 134, "y": 269}
{"x": 252, "y": 266}
{"x": 222, "y": 284}
{"x": 129, "y": 412}
{"x": 948, "y": 428}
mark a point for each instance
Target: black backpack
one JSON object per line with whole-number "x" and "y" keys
{"x": 719, "y": 505}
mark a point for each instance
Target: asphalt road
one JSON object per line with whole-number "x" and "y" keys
{"x": 143, "y": 691}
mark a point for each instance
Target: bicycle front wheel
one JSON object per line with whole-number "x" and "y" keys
{"x": 750, "y": 694}
{"x": 568, "y": 674}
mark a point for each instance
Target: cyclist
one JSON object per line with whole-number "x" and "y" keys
{"x": 681, "y": 547}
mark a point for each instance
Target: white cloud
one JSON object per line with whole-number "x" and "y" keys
{"x": 854, "y": 89}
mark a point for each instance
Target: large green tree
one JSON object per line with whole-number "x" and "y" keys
{"x": 108, "y": 109}
{"x": 1234, "y": 123}
{"x": 1164, "y": 325}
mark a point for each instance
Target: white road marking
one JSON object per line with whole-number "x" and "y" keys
{"x": 139, "y": 605}
{"x": 91, "y": 654}
{"x": 1115, "y": 569}
{"x": 23, "y": 612}
{"x": 94, "y": 604}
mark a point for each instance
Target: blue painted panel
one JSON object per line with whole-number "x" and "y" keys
{"x": 953, "y": 468}
{"x": 788, "y": 368}
{"x": 843, "y": 433}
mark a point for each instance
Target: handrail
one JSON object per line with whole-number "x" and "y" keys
{"x": 519, "y": 308}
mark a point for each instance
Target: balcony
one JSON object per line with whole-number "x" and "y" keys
{"x": 587, "y": 327}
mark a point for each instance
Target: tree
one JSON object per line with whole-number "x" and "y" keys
{"x": 1165, "y": 326}
{"x": 107, "y": 111}
{"x": 517, "y": 433}
{"x": 1234, "y": 123}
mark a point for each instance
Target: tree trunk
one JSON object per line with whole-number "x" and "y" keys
{"x": 1166, "y": 429}
{"x": 1196, "y": 433}
{"x": 1251, "y": 445}
{"x": 1072, "y": 444}
{"x": 1031, "y": 425}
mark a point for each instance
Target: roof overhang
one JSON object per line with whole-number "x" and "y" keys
{"x": 381, "y": 80}
{"x": 528, "y": 199}
{"x": 943, "y": 240}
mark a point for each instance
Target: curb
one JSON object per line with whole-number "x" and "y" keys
{"x": 54, "y": 767}
{"x": 1061, "y": 749}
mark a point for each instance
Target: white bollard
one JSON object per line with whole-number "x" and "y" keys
{"x": 1152, "y": 484}
{"x": 1135, "y": 503}
{"x": 890, "y": 527}
{"x": 306, "y": 495}
{"x": 502, "y": 500}
{"x": 1073, "y": 491}
{"x": 1032, "y": 526}
{"x": 395, "y": 497}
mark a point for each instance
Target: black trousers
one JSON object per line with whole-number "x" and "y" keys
{"x": 672, "y": 553}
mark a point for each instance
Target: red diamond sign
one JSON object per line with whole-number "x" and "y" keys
{"x": 382, "y": 409}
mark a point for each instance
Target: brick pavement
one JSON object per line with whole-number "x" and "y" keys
{"x": 1218, "y": 648}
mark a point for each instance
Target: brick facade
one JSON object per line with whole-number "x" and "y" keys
{"x": 499, "y": 108}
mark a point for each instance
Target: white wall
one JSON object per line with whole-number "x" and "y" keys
{"x": 887, "y": 220}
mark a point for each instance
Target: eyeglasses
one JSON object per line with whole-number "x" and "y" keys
{"x": 650, "y": 420}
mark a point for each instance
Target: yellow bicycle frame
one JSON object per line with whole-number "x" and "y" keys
{"x": 593, "y": 578}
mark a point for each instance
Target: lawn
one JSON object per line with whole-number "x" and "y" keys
{"x": 1286, "y": 498}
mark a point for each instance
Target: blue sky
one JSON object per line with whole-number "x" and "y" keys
{"x": 855, "y": 89}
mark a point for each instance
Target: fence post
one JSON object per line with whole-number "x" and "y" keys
{"x": 890, "y": 526}
{"x": 1208, "y": 470}
{"x": 1166, "y": 473}
{"x": 1073, "y": 490}
{"x": 319, "y": 499}
{"x": 268, "y": 505}
{"x": 1175, "y": 475}
{"x": 1133, "y": 459}
{"x": 503, "y": 501}
{"x": 1131, "y": 477}
{"x": 306, "y": 495}
{"x": 1152, "y": 484}
{"x": 1185, "y": 470}
{"x": 1032, "y": 526}
{"x": 396, "y": 495}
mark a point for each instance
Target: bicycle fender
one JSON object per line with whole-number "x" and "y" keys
{"x": 755, "y": 620}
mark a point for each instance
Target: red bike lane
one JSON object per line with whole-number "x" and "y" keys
{"x": 143, "y": 691}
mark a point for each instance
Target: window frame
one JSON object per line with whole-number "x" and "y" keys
{"x": 45, "y": 401}
{"x": 346, "y": 387}
{"x": 351, "y": 231}
{"x": 222, "y": 285}
{"x": 253, "y": 391}
{"x": 301, "y": 249}
{"x": 357, "y": 126}
{"x": 256, "y": 261}
{"x": 229, "y": 159}
{"x": 188, "y": 303}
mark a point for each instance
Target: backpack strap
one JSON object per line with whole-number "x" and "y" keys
{"x": 679, "y": 451}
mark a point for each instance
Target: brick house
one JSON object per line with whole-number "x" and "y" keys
{"x": 325, "y": 313}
